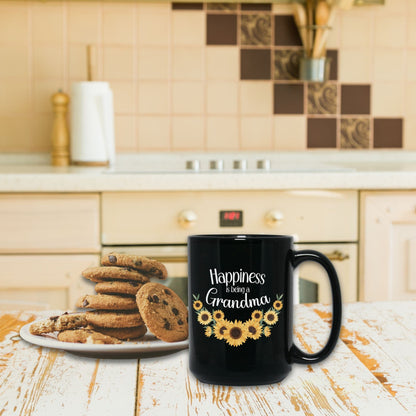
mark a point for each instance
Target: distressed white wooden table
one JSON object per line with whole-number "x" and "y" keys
{"x": 371, "y": 372}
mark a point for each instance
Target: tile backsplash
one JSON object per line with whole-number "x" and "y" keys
{"x": 218, "y": 76}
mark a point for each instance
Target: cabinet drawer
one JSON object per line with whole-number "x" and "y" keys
{"x": 49, "y": 223}
{"x": 54, "y": 280}
{"x": 152, "y": 217}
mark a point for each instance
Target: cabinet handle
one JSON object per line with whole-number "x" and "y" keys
{"x": 337, "y": 255}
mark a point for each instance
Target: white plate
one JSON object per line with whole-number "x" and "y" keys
{"x": 146, "y": 346}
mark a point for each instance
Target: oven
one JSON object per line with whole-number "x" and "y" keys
{"x": 157, "y": 224}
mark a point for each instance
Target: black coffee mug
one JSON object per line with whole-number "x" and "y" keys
{"x": 241, "y": 307}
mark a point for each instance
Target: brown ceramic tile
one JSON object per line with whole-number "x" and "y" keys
{"x": 255, "y": 64}
{"x": 286, "y": 64}
{"x": 388, "y": 132}
{"x": 256, "y": 6}
{"x": 221, "y": 29}
{"x": 322, "y": 98}
{"x": 222, "y": 6}
{"x": 285, "y": 31}
{"x": 333, "y": 72}
{"x": 322, "y": 132}
{"x": 355, "y": 133}
{"x": 256, "y": 29}
{"x": 355, "y": 99}
{"x": 187, "y": 6}
{"x": 288, "y": 98}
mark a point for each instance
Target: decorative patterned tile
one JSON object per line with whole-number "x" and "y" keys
{"x": 285, "y": 31}
{"x": 355, "y": 99}
{"x": 222, "y": 6}
{"x": 221, "y": 29}
{"x": 322, "y": 133}
{"x": 388, "y": 132}
{"x": 355, "y": 133}
{"x": 322, "y": 98}
{"x": 288, "y": 98}
{"x": 286, "y": 64}
{"x": 187, "y": 6}
{"x": 256, "y": 29}
{"x": 256, "y": 6}
{"x": 255, "y": 64}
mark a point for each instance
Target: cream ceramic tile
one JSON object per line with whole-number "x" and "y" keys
{"x": 188, "y": 28}
{"x": 153, "y": 29}
{"x": 153, "y": 63}
{"x": 411, "y": 33}
{"x": 154, "y": 7}
{"x": 42, "y": 130}
{"x": 256, "y": 97}
{"x": 390, "y": 31}
{"x": 187, "y": 63}
{"x": 14, "y": 24}
{"x": 118, "y": 23}
{"x": 222, "y": 62}
{"x": 389, "y": 64}
{"x": 387, "y": 99}
{"x": 17, "y": 58}
{"x": 14, "y": 97}
{"x": 16, "y": 134}
{"x": 187, "y": 97}
{"x": 153, "y": 97}
{"x": 411, "y": 65}
{"x": 256, "y": 133}
{"x": 411, "y": 99}
{"x": 397, "y": 7}
{"x": 289, "y": 132}
{"x": 350, "y": 36}
{"x": 153, "y": 133}
{"x": 334, "y": 37}
{"x": 222, "y": 97}
{"x": 412, "y": 8}
{"x": 409, "y": 133}
{"x": 48, "y": 23}
{"x": 125, "y": 133}
{"x": 84, "y": 22}
{"x": 48, "y": 62}
{"x": 355, "y": 65}
{"x": 222, "y": 133}
{"x": 77, "y": 62}
{"x": 42, "y": 93}
{"x": 118, "y": 63}
{"x": 282, "y": 8}
{"x": 187, "y": 133}
{"x": 124, "y": 97}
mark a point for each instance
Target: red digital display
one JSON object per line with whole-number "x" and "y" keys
{"x": 231, "y": 218}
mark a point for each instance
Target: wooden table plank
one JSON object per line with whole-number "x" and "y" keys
{"x": 385, "y": 343}
{"x": 40, "y": 381}
{"x": 341, "y": 385}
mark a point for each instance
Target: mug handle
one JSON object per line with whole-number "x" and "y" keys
{"x": 298, "y": 356}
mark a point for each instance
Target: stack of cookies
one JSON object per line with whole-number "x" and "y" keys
{"x": 114, "y": 310}
{"x": 124, "y": 306}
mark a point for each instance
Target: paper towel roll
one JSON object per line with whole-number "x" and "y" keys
{"x": 92, "y": 123}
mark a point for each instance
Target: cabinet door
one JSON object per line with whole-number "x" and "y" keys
{"x": 49, "y": 223}
{"x": 53, "y": 281}
{"x": 388, "y": 246}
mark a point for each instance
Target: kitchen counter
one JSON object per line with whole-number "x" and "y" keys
{"x": 363, "y": 170}
{"x": 371, "y": 372}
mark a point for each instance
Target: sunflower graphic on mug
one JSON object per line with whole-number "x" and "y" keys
{"x": 237, "y": 332}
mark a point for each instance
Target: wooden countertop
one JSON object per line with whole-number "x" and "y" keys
{"x": 371, "y": 372}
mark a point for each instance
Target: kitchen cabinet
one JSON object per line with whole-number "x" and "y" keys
{"x": 46, "y": 240}
{"x": 388, "y": 246}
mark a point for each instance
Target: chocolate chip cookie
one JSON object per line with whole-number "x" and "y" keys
{"x": 59, "y": 323}
{"x": 107, "y": 302}
{"x": 150, "y": 267}
{"x": 163, "y": 312}
{"x": 118, "y": 288}
{"x": 86, "y": 336}
{"x": 122, "y": 333}
{"x": 114, "y": 319}
{"x": 103, "y": 274}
